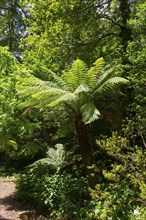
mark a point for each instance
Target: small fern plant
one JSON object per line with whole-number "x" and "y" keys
{"x": 56, "y": 157}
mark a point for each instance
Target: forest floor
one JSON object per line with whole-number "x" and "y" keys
{"x": 10, "y": 207}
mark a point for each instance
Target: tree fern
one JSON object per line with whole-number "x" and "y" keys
{"x": 75, "y": 91}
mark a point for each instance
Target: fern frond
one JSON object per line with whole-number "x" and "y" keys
{"x": 49, "y": 91}
{"x": 34, "y": 85}
{"x": 89, "y": 112}
{"x": 59, "y": 80}
{"x": 76, "y": 75}
{"x": 43, "y": 161}
{"x": 93, "y": 72}
{"x": 56, "y": 78}
{"x": 110, "y": 86}
{"x": 42, "y": 98}
{"x": 82, "y": 88}
{"x": 104, "y": 77}
{"x": 67, "y": 97}
{"x": 99, "y": 63}
{"x": 57, "y": 155}
{"x": 56, "y": 158}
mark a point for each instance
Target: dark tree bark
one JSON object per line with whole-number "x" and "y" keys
{"x": 125, "y": 31}
{"x": 85, "y": 150}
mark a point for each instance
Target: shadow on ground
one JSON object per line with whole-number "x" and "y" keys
{"x": 12, "y": 203}
{"x": 1, "y": 218}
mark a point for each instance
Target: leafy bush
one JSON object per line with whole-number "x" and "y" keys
{"x": 21, "y": 139}
{"x": 57, "y": 194}
{"x": 123, "y": 192}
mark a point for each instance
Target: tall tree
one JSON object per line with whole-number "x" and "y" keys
{"x": 12, "y": 26}
{"x": 136, "y": 51}
{"x": 76, "y": 92}
{"x": 61, "y": 32}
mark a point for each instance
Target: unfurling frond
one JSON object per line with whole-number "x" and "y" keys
{"x": 89, "y": 112}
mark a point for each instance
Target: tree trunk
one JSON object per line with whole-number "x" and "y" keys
{"x": 126, "y": 31}
{"x": 85, "y": 151}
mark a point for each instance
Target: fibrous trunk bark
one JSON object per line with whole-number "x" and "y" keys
{"x": 85, "y": 151}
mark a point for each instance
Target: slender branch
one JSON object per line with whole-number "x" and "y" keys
{"x": 141, "y": 200}
{"x": 94, "y": 42}
{"x": 143, "y": 140}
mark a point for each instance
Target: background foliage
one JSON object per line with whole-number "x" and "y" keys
{"x": 50, "y": 35}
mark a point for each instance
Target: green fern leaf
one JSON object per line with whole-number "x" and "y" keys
{"x": 89, "y": 113}
{"x": 76, "y": 75}
{"x": 94, "y": 72}
{"x": 110, "y": 86}
{"x": 105, "y": 76}
{"x": 64, "y": 98}
{"x": 82, "y": 88}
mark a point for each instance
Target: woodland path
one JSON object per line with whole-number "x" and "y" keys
{"x": 10, "y": 208}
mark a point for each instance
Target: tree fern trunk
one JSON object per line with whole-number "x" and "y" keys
{"x": 85, "y": 150}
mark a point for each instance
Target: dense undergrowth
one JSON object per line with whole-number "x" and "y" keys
{"x": 53, "y": 193}
{"x": 8, "y": 172}
{"x": 119, "y": 194}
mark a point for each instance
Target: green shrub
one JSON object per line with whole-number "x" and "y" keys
{"x": 122, "y": 193}
{"x": 56, "y": 194}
